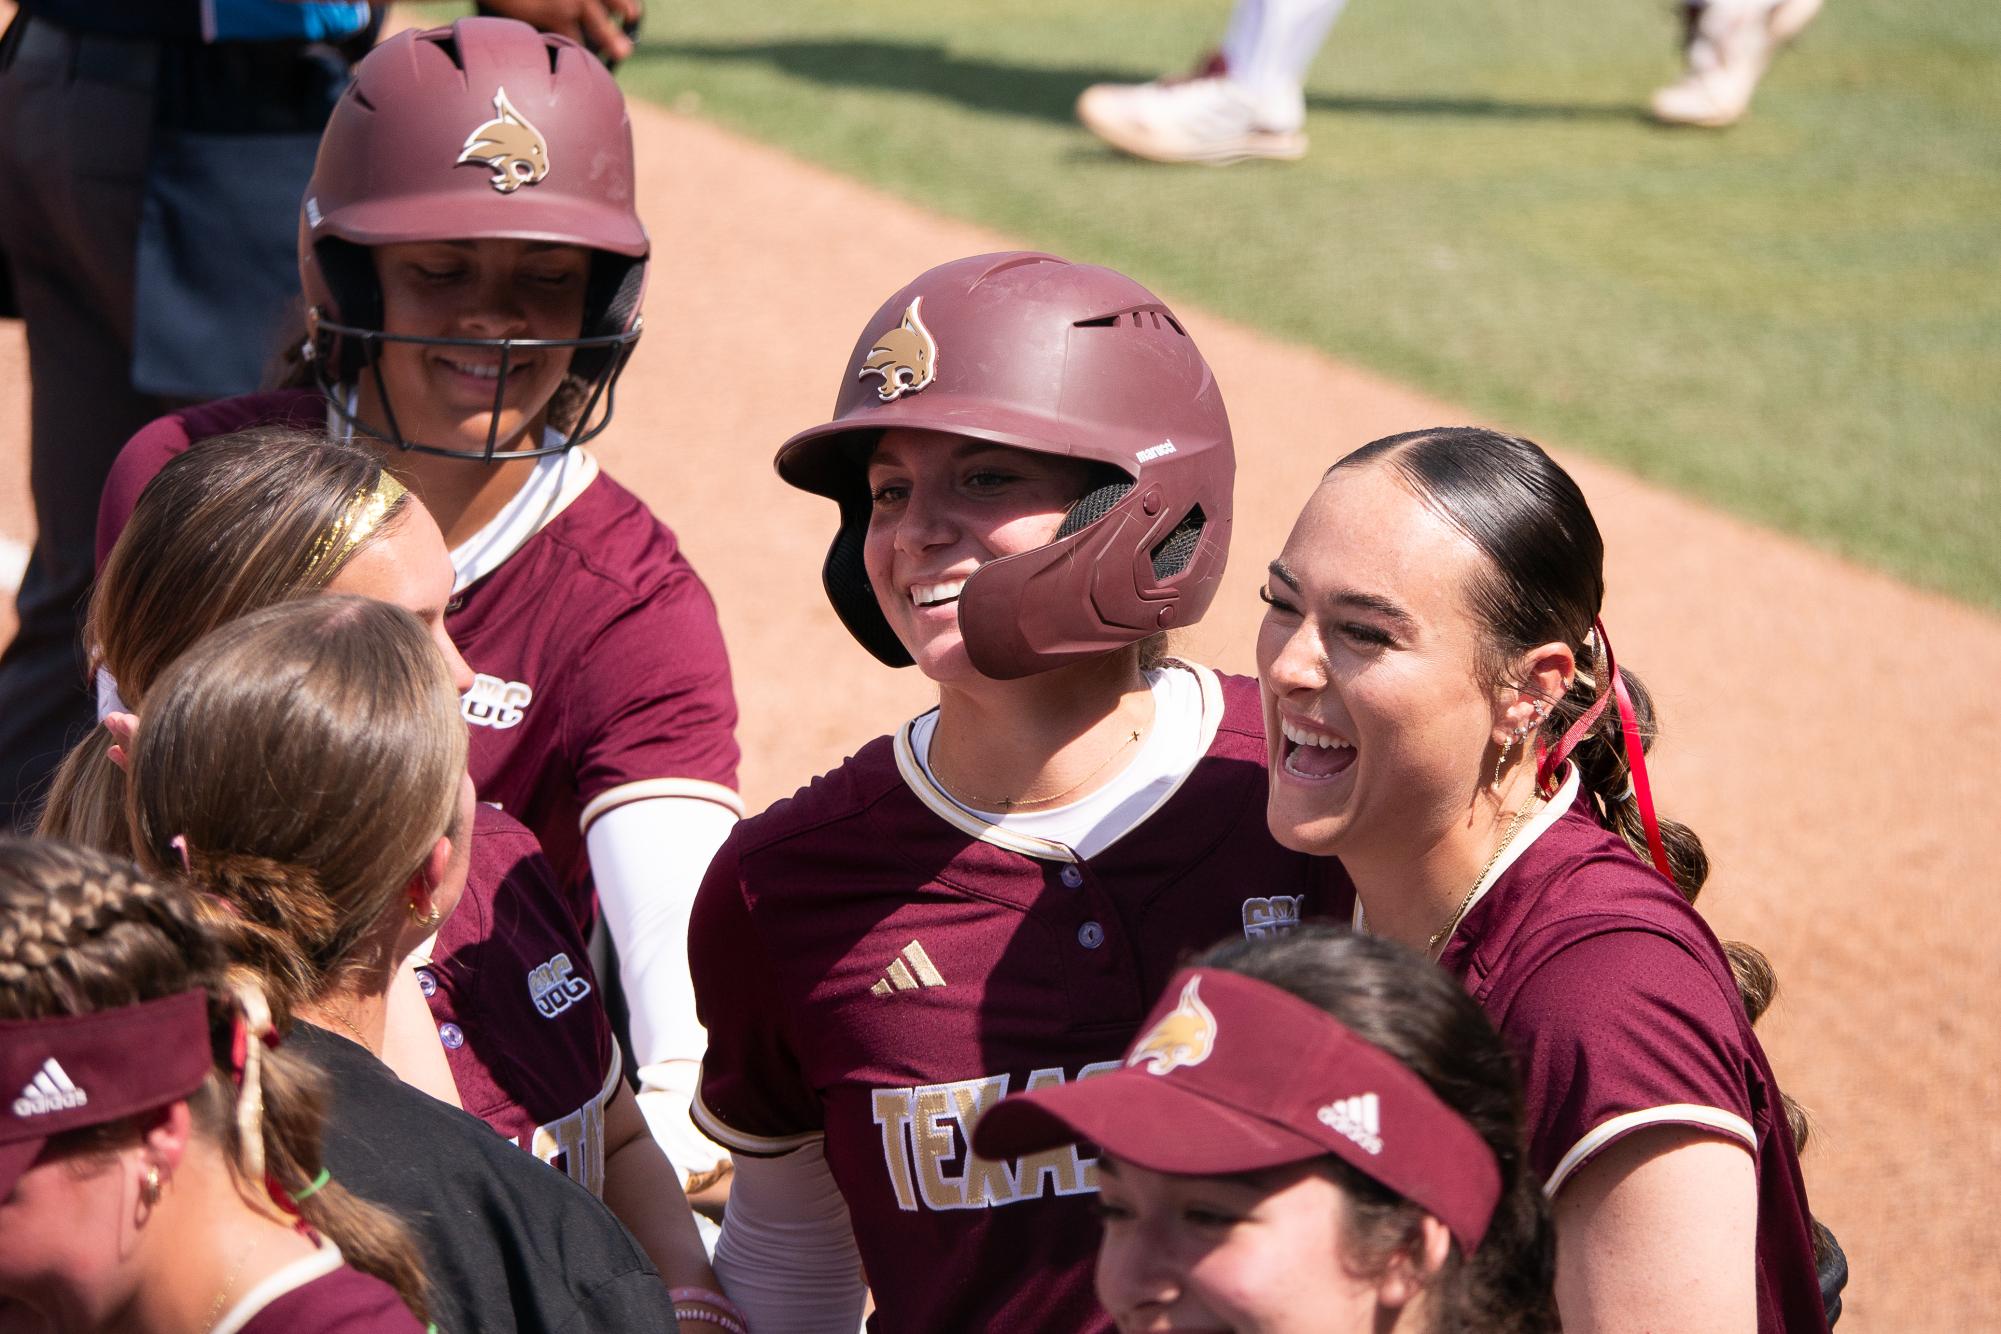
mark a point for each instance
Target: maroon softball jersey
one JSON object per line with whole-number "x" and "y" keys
{"x": 1622, "y": 1013}
{"x": 345, "y": 1301}
{"x": 518, "y": 1009}
{"x": 878, "y": 967}
{"x": 602, "y": 673}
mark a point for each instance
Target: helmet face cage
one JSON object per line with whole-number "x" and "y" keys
{"x": 486, "y": 130}
{"x": 364, "y": 346}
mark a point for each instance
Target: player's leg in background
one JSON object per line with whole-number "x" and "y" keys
{"x": 1249, "y": 102}
{"x": 75, "y": 124}
{"x": 1727, "y": 47}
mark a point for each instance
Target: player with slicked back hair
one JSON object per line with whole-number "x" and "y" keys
{"x": 1032, "y": 467}
{"x": 154, "y": 1115}
{"x": 472, "y": 264}
{"x": 1446, "y": 716}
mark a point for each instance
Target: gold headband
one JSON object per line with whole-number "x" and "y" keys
{"x": 358, "y": 522}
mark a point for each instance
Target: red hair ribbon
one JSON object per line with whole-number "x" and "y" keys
{"x": 1549, "y": 762}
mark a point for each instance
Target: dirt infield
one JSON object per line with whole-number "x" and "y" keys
{"x": 1827, "y": 726}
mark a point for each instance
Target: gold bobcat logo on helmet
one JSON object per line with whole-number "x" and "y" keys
{"x": 1185, "y": 1035}
{"x": 906, "y": 357}
{"x": 510, "y": 145}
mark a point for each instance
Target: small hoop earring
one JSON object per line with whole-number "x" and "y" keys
{"x": 149, "y": 1187}
{"x": 425, "y": 919}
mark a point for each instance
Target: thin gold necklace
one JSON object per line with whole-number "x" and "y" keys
{"x": 342, "y": 1020}
{"x": 228, "y": 1286}
{"x": 1012, "y": 804}
{"x": 1444, "y": 933}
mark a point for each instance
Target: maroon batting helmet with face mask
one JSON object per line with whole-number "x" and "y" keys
{"x": 486, "y": 129}
{"x": 1035, "y": 352}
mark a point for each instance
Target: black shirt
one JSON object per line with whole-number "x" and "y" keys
{"x": 509, "y": 1242}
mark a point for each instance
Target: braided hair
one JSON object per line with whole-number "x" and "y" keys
{"x": 82, "y": 932}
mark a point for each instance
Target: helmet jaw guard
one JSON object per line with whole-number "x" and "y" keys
{"x": 1097, "y": 588}
{"x": 483, "y": 130}
{"x": 1030, "y": 351}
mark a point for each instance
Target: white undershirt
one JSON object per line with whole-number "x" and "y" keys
{"x": 557, "y": 480}
{"x": 1088, "y": 826}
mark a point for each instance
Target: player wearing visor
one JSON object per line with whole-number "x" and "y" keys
{"x": 160, "y": 1168}
{"x": 1314, "y": 1135}
{"x": 472, "y": 266}
{"x": 1033, "y": 467}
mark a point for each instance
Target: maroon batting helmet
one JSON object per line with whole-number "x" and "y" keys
{"x": 485, "y": 129}
{"x": 1041, "y": 354}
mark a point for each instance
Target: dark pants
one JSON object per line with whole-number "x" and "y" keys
{"x": 74, "y": 139}
{"x": 149, "y": 197}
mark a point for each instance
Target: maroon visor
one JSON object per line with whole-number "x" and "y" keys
{"x": 69, "y": 1071}
{"x": 1235, "y": 1075}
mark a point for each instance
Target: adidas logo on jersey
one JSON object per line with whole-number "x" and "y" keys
{"x": 492, "y": 702}
{"x": 553, "y": 988}
{"x": 49, "y": 1091}
{"x": 1359, "y": 1118}
{"x": 908, "y": 971}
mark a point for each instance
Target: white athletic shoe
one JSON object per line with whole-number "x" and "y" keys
{"x": 1206, "y": 119}
{"x": 1729, "y": 45}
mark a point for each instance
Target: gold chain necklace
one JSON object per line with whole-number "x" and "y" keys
{"x": 1011, "y": 804}
{"x": 228, "y": 1286}
{"x": 342, "y": 1020}
{"x": 1444, "y": 933}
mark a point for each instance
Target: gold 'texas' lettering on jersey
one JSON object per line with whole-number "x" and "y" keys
{"x": 578, "y": 1139}
{"x": 926, "y": 1128}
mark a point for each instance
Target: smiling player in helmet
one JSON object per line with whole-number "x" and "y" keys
{"x": 1033, "y": 469}
{"x": 472, "y": 265}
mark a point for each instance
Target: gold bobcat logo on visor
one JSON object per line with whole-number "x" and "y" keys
{"x": 906, "y": 357}
{"x": 1185, "y": 1035}
{"x": 510, "y": 145}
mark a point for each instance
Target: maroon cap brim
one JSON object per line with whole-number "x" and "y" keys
{"x": 1141, "y": 1119}
{"x": 474, "y": 218}
{"x": 1210, "y": 1088}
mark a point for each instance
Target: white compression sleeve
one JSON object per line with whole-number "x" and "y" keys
{"x": 1270, "y": 44}
{"x": 648, "y": 858}
{"x": 787, "y": 1254}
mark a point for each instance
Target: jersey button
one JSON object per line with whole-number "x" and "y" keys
{"x": 426, "y": 983}
{"x": 1072, "y": 877}
{"x": 452, "y": 1036}
{"x": 1090, "y": 935}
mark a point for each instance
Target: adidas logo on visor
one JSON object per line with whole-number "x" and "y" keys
{"x": 1359, "y": 1118}
{"x": 49, "y": 1091}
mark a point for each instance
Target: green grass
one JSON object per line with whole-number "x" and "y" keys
{"x": 1798, "y": 320}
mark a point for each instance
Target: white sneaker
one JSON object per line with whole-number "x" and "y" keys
{"x": 1730, "y": 44}
{"x": 1205, "y": 119}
